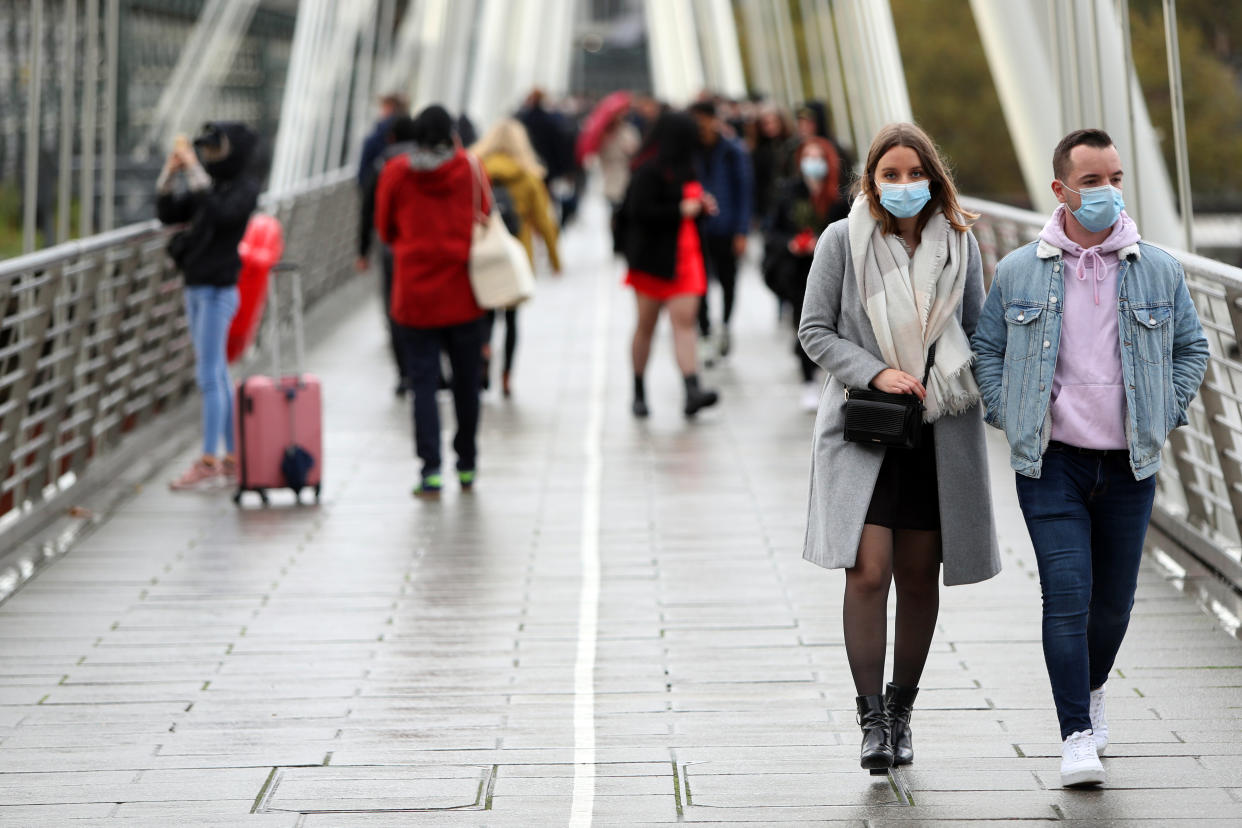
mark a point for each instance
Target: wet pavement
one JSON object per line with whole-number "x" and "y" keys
{"x": 383, "y": 661}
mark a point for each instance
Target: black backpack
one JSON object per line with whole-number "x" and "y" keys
{"x": 503, "y": 201}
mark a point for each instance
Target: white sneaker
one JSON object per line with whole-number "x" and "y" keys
{"x": 1080, "y": 764}
{"x": 810, "y": 396}
{"x": 1099, "y": 724}
{"x": 707, "y": 352}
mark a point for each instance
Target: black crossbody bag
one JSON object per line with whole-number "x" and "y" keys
{"x": 884, "y": 419}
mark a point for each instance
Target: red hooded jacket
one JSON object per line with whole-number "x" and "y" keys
{"x": 425, "y": 216}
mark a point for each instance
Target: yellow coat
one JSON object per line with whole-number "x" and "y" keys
{"x": 530, "y": 199}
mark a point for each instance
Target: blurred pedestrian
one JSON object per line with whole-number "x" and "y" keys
{"x": 804, "y": 207}
{"x": 665, "y": 256}
{"x": 425, "y": 210}
{"x": 392, "y": 106}
{"x": 726, "y": 176}
{"x": 1089, "y": 353}
{"x": 400, "y": 141}
{"x": 212, "y": 186}
{"x": 893, "y": 295}
{"x": 516, "y": 174}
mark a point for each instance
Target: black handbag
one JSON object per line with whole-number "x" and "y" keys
{"x": 884, "y": 419}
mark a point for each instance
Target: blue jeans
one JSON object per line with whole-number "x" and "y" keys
{"x": 1087, "y": 517}
{"x": 420, "y": 352}
{"x": 210, "y": 310}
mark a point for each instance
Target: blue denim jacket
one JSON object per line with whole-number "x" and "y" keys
{"x": 1163, "y": 350}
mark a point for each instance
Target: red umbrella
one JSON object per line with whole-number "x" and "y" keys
{"x": 604, "y": 113}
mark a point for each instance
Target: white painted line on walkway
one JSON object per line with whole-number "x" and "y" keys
{"x": 583, "y": 804}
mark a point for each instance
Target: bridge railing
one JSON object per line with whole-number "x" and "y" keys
{"x": 94, "y": 344}
{"x": 1199, "y": 494}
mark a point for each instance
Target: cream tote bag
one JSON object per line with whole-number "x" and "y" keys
{"x": 500, "y": 272}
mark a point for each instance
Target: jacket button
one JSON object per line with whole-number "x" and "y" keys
{"x": 1151, "y": 320}
{"x": 1056, "y": 268}
{"x": 1047, "y": 344}
{"x": 1052, "y": 299}
{"x": 1021, "y": 316}
{"x": 1041, "y": 386}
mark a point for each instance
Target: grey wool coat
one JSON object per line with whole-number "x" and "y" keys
{"x": 837, "y": 335}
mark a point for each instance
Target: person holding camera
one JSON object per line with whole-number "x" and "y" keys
{"x": 893, "y": 295}
{"x": 210, "y": 187}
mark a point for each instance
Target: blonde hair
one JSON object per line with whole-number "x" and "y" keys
{"x": 509, "y": 137}
{"x": 943, "y": 192}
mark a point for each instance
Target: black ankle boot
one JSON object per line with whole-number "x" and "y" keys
{"x": 639, "y": 407}
{"x": 697, "y": 398}
{"x": 898, "y": 704}
{"x": 876, "y": 754}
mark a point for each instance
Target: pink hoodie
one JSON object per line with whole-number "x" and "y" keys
{"x": 1088, "y": 392}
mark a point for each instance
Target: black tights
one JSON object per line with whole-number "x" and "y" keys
{"x": 911, "y": 560}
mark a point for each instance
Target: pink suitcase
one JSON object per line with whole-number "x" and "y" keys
{"x": 278, "y": 422}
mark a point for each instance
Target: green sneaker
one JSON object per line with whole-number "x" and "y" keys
{"x": 466, "y": 479}
{"x": 429, "y": 486}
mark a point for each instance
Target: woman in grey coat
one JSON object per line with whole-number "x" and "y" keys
{"x": 900, "y": 274}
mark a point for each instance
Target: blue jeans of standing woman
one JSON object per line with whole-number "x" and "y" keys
{"x": 210, "y": 310}
{"x": 1087, "y": 517}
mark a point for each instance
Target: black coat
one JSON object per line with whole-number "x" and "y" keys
{"x": 206, "y": 251}
{"x": 792, "y": 213}
{"x": 653, "y": 220}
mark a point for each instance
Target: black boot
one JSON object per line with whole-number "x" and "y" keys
{"x": 876, "y": 756}
{"x": 898, "y": 704}
{"x": 639, "y": 407}
{"x": 696, "y": 397}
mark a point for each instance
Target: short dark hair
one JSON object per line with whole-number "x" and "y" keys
{"x": 434, "y": 127}
{"x": 1097, "y": 138}
{"x": 707, "y": 108}
{"x": 404, "y": 129}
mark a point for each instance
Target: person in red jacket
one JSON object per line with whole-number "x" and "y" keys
{"x": 425, "y": 208}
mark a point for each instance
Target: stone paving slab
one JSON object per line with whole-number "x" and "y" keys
{"x": 380, "y": 661}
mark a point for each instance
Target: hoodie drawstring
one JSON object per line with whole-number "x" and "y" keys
{"x": 1098, "y": 269}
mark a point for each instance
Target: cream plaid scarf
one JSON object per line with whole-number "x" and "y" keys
{"x": 913, "y": 303}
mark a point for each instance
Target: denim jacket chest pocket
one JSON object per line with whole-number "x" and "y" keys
{"x": 1150, "y": 333}
{"x": 1024, "y": 337}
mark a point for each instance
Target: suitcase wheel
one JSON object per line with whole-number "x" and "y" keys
{"x": 237, "y": 497}
{"x": 316, "y": 492}
{"x": 263, "y": 497}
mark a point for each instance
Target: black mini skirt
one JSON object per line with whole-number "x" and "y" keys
{"x": 906, "y": 495}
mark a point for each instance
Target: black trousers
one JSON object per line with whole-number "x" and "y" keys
{"x": 421, "y": 348}
{"x": 386, "y": 285}
{"x": 721, "y": 264}
{"x": 511, "y": 333}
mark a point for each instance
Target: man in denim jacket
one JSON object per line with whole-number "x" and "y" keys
{"x": 1088, "y": 352}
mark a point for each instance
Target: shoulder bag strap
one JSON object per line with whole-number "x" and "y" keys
{"x": 478, "y": 186}
{"x": 931, "y": 360}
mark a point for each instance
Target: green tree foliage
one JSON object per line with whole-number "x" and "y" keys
{"x": 954, "y": 98}
{"x": 1212, "y": 90}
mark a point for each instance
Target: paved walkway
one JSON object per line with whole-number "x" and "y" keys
{"x": 379, "y": 661}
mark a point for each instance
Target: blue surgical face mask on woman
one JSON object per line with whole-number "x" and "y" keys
{"x": 1101, "y": 207}
{"x": 814, "y": 168}
{"x": 905, "y": 200}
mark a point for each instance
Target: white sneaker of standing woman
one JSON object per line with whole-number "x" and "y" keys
{"x": 1080, "y": 764}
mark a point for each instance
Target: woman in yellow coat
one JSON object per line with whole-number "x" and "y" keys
{"x": 510, "y": 162}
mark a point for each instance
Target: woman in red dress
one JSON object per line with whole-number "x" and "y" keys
{"x": 661, "y": 246}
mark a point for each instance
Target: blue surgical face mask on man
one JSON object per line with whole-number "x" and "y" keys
{"x": 814, "y": 168}
{"x": 905, "y": 200}
{"x": 1101, "y": 207}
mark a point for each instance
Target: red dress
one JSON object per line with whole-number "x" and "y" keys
{"x": 691, "y": 275}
